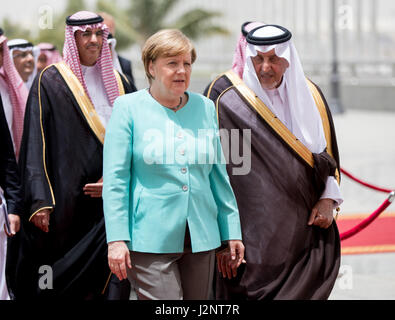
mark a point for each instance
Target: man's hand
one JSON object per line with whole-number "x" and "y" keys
{"x": 15, "y": 224}
{"x": 229, "y": 259}
{"x": 41, "y": 220}
{"x": 94, "y": 189}
{"x": 322, "y": 214}
{"x": 119, "y": 258}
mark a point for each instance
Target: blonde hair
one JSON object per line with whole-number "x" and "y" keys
{"x": 166, "y": 43}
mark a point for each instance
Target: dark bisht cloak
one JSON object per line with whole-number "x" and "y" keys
{"x": 61, "y": 152}
{"x": 286, "y": 258}
{"x": 126, "y": 66}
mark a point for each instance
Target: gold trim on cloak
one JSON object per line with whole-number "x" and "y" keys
{"x": 319, "y": 102}
{"x": 43, "y": 142}
{"x": 83, "y": 100}
{"x": 212, "y": 84}
{"x": 217, "y": 101}
{"x": 119, "y": 81}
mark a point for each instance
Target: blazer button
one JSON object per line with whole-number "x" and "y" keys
{"x": 182, "y": 152}
{"x": 184, "y": 188}
{"x": 184, "y": 170}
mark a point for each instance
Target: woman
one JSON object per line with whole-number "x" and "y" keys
{"x": 167, "y": 198}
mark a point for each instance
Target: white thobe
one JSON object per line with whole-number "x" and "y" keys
{"x": 5, "y": 99}
{"x": 3, "y": 253}
{"x": 97, "y": 92}
{"x": 7, "y": 106}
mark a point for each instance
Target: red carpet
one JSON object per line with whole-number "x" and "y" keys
{"x": 379, "y": 236}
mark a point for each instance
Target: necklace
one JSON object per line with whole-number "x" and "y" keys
{"x": 171, "y": 108}
{"x": 177, "y": 106}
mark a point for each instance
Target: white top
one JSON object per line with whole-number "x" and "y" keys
{"x": 7, "y": 106}
{"x": 279, "y": 99}
{"x": 97, "y": 92}
{"x": 3, "y": 252}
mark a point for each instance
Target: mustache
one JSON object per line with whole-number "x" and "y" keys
{"x": 93, "y": 45}
{"x": 266, "y": 74}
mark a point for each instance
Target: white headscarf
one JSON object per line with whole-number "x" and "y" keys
{"x": 239, "y": 56}
{"x": 112, "y": 42}
{"x": 24, "y": 45}
{"x": 18, "y": 94}
{"x": 306, "y": 121}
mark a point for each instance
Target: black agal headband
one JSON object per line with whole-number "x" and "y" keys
{"x": 256, "y": 40}
{"x": 79, "y": 22}
{"x": 20, "y": 45}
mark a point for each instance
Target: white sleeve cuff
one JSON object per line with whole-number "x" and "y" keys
{"x": 332, "y": 191}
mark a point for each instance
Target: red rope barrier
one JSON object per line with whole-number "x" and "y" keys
{"x": 366, "y": 184}
{"x": 364, "y": 223}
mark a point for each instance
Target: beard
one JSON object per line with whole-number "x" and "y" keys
{"x": 268, "y": 81}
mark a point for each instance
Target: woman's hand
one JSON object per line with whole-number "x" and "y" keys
{"x": 229, "y": 259}
{"x": 119, "y": 258}
{"x": 94, "y": 189}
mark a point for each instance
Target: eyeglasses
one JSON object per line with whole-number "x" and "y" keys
{"x": 88, "y": 33}
{"x": 22, "y": 55}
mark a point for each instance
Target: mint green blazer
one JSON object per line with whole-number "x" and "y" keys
{"x": 163, "y": 169}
